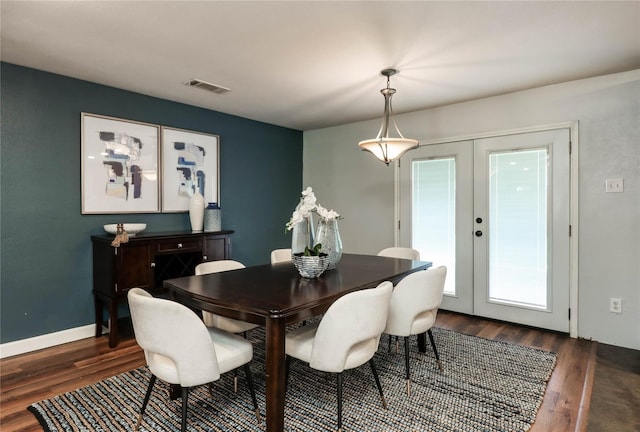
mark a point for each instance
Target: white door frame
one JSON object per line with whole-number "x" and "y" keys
{"x": 573, "y": 205}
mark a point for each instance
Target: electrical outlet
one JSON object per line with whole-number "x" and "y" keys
{"x": 615, "y": 305}
{"x": 614, "y": 185}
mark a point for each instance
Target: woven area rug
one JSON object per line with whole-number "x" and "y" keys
{"x": 486, "y": 386}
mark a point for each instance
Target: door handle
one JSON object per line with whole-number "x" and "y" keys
{"x": 478, "y": 233}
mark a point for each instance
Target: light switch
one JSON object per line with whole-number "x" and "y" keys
{"x": 614, "y": 185}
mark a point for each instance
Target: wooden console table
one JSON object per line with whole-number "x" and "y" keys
{"x": 145, "y": 261}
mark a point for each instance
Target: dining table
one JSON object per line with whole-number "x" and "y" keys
{"x": 275, "y": 296}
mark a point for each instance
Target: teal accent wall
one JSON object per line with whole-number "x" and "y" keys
{"x": 45, "y": 247}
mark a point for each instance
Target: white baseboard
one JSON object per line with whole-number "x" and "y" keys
{"x": 46, "y": 341}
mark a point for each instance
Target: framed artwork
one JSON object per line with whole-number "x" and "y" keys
{"x": 119, "y": 165}
{"x": 190, "y": 162}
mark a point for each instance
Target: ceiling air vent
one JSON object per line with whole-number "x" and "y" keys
{"x": 206, "y": 86}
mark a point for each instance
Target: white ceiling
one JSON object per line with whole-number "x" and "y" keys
{"x": 313, "y": 64}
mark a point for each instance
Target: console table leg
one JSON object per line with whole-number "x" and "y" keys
{"x": 97, "y": 303}
{"x": 113, "y": 322}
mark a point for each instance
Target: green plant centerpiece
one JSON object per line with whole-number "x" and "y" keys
{"x": 314, "y": 251}
{"x": 312, "y": 262}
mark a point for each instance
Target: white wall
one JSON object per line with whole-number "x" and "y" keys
{"x": 361, "y": 188}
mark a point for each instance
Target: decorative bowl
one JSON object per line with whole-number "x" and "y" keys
{"x": 310, "y": 266}
{"x": 131, "y": 228}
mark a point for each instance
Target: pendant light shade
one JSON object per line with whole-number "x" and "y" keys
{"x": 385, "y": 147}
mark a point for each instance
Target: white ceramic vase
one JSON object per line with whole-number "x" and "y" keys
{"x": 196, "y": 211}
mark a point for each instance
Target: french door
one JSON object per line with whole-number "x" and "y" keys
{"x": 495, "y": 211}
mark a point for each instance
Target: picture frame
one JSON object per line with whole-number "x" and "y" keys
{"x": 190, "y": 161}
{"x": 119, "y": 165}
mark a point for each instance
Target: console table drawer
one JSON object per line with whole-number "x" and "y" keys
{"x": 179, "y": 245}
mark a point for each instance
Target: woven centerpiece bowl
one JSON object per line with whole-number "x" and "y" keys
{"x": 310, "y": 266}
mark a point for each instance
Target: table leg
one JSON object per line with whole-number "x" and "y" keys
{"x": 175, "y": 391}
{"x": 275, "y": 374}
{"x": 422, "y": 342}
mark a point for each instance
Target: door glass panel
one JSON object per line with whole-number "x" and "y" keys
{"x": 518, "y": 227}
{"x": 434, "y": 214}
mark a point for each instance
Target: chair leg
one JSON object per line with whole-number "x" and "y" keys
{"x": 247, "y": 371}
{"x": 396, "y": 339}
{"x": 185, "y": 402}
{"x": 435, "y": 350}
{"x": 339, "y": 379}
{"x": 406, "y": 365}
{"x": 375, "y": 377}
{"x": 152, "y": 381}
{"x": 235, "y": 381}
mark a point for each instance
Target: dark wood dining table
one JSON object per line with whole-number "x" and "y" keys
{"x": 274, "y": 295}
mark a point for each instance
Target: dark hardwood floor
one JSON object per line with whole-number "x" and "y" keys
{"x": 42, "y": 374}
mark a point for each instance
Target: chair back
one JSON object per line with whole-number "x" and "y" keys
{"x": 176, "y": 343}
{"x": 210, "y": 319}
{"x": 217, "y": 266}
{"x": 280, "y": 255}
{"x": 350, "y": 330}
{"x": 415, "y": 301}
{"x": 400, "y": 252}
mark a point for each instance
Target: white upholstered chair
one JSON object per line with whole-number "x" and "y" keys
{"x": 346, "y": 337}
{"x": 413, "y": 308}
{"x": 280, "y": 255}
{"x": 400, "y": 252}
{"x": 213, "y": 320}
{"x": 181, "y": 350}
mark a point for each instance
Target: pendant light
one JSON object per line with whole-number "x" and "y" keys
{"x": 385, "y": 147}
